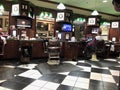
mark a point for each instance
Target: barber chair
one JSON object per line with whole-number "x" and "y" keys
{"x": 53, "y": 53}
{"x": 99, "y": 50}
{"x": 117, "y": 49}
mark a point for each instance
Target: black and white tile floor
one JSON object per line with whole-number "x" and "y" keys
{"x": 25, "y": 77}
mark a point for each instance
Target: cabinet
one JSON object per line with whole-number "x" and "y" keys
{"x": 22, "y": 17}
{"x": 114, "y": 31}
{"x": 64, "y": 16}
{"x": 22, "y": 9}
{"x": 93, "y": 24}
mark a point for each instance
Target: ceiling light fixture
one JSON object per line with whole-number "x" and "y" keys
{"x": 61, "y": 6}
{"x": 1, "y": 9}
{"x": 95, "y": 13}
{"x": 105, "y": 1}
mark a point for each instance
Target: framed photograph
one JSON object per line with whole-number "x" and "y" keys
{"x": 6, "y": 22}
{"x": 1, "y": 20}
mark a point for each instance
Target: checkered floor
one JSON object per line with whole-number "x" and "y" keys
{"x": 92, "y": 77}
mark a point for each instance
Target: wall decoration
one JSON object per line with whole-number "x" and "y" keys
{"x": 115, "y": 25}
{"x": 91, "y": 21}
{"x": 15, "y": 10}
{"x": 60, "y": 16}
{"x": 6, "y": 22}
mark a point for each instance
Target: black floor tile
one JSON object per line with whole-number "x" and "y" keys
{"x": 48, "y": 77}
{"x": 97, "y": 70}
{"x": 96, "y": 85}
{"x": 58, "y": 78}
{"x": 9, "y": 73}
{"x": 115, "y": 68}
{"x": 75, "y": 73}
{"x": 64, "y": 87}
{"x": 13, "y": 85}
{"x": 83, "y": 64}
{"x": 110, "y": 86}
{"x": 16, "y": 79}
{"x": 75, "y": 88}
{"x": 84, "y": 74}
{"x": 27, "y": 81}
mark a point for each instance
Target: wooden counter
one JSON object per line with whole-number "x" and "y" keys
{"x": 69, "y": 50}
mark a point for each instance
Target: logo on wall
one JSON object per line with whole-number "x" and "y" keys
{"x": 91, "y": 21}
{"x": 115, "y": 25}
{"x": 60, "y": 16}
{"x": 15, "y": 10}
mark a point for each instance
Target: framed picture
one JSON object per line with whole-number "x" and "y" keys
{"x": 1, "y": 20}
{"x": 6, "y": 22}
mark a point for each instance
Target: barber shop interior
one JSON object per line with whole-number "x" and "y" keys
{"x": 59, "y": 44}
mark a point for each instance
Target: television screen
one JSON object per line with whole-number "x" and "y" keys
{"x": 95, "y": 30}
{"x": 24, "y": 23}
{"x": 67, "y": 27}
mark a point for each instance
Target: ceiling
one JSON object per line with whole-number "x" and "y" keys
{"x": 91, "y": 5}
{"x": 84, "y": 7}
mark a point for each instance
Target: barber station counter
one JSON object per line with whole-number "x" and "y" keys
{"x": 69, "y": 50}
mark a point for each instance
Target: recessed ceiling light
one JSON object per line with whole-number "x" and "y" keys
{"x": 104, "y": 1}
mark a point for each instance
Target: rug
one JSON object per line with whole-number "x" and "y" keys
{"x": 45, "y": 68}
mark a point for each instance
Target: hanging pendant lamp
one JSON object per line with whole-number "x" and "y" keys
{"x": 61, "y": 6}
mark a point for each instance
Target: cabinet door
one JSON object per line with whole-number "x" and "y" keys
{"x": 71, "y": 50}
{"x": 11, "y": 49}
{"x": 36, "y": 49}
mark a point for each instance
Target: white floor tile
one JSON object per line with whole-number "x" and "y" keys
{"x": 64, "y": 73}
{"x": 96, "y": 76}
{"x": 46, "y": 89}
{"x": 73, "y": 78}
{"x": 31, "y": 74}
{"x": 68, "y": 82}
{"x": 51, "y": 85}
{"x": 108, "y": 78}
{"x": 93, "y": 66}
{"x": 115, "y": 72}
{"x": 30, "y": 87}
{"x": 109, "y": 59}
{"x": 72, "y": 62}
{"x": 82, "y": 85}
{"x": 27, "y": 66}
{"x": 85, "y": 69}
{"x": 39, "y": 83}
{"x": 84, "y": 80}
